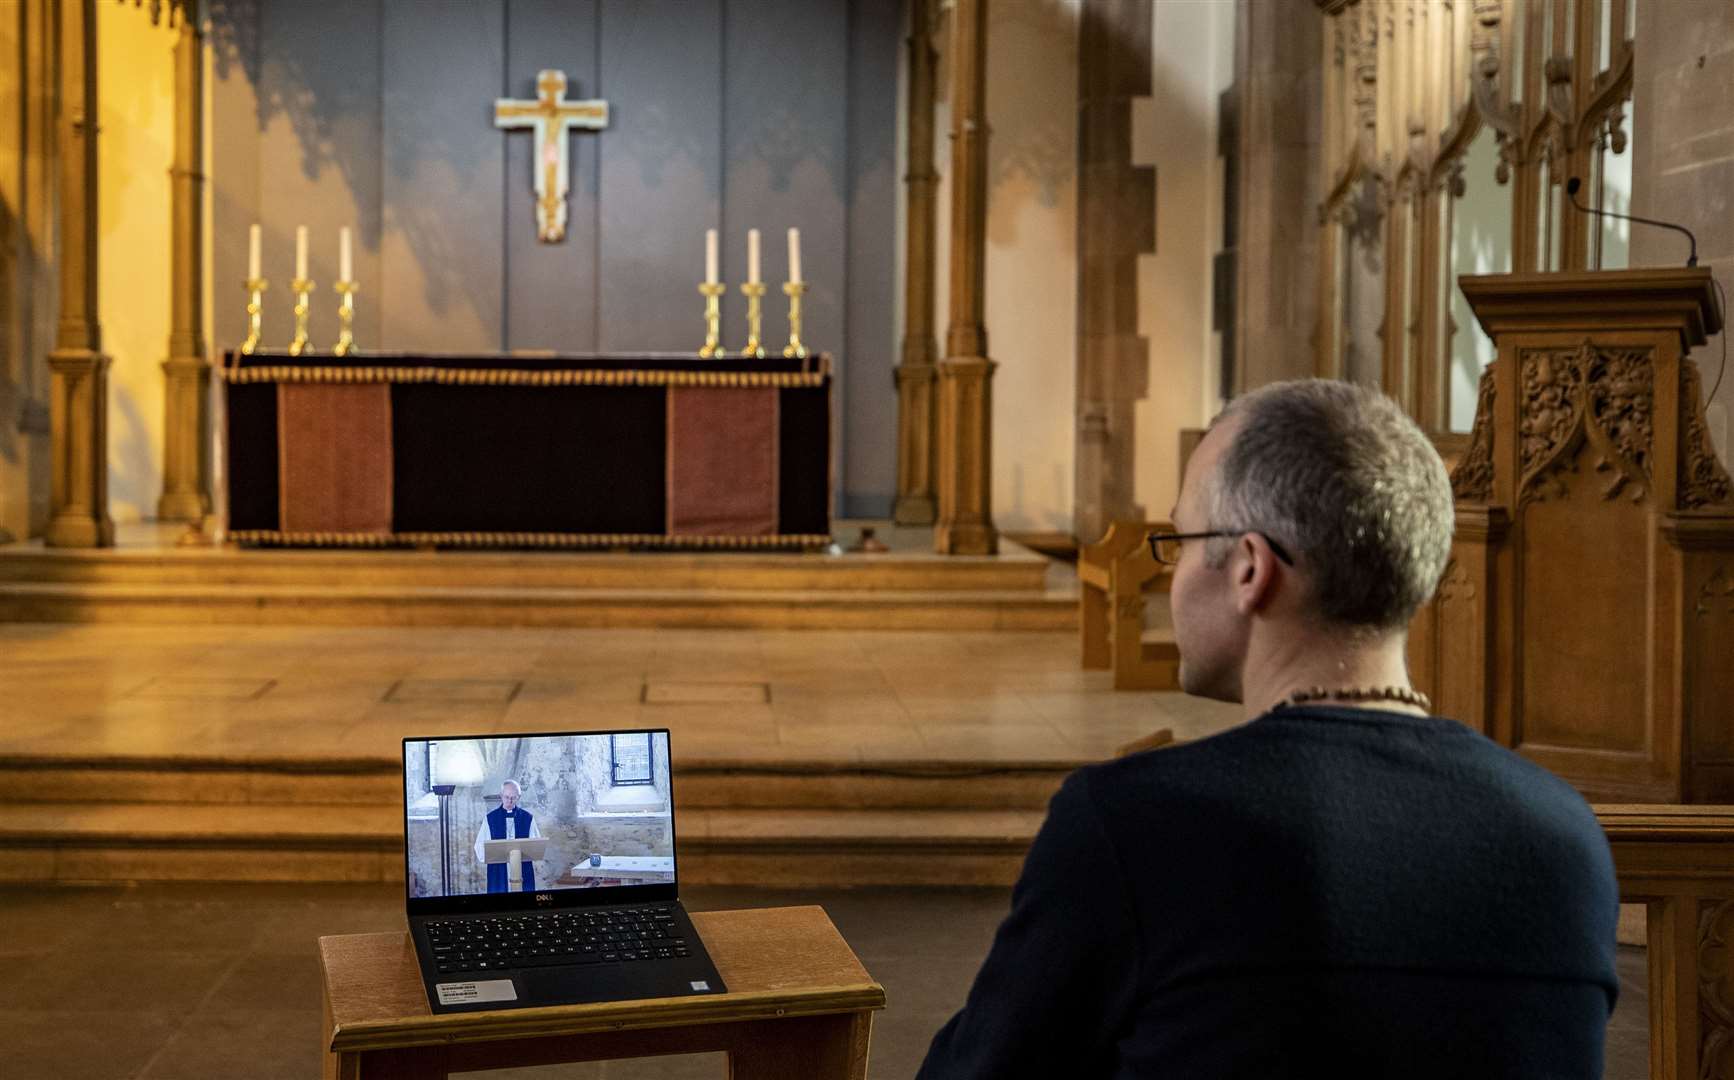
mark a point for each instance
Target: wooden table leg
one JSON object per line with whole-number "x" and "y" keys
{"x": 804, "y": 1048}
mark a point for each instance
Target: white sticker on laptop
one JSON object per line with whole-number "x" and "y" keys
{"x": 698, "y": 985}
{"x": 471, "y": 993}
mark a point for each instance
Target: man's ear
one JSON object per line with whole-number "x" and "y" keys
{"x": 1256, "y": 574}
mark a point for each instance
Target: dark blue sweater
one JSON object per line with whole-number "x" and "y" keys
{"x": 1321, "y": 891}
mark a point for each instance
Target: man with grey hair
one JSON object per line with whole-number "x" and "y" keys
{"x": 507, "y": 821}
{"x": 1342, "y": 885}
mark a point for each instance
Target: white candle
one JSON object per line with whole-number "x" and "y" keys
{"x": 795, "y": 256}
{"x": 345, "y": 260}
{"x": 752, "y": 256}
{"x": 710, "y": 256}
{"x": 301, "y": 252}
{"x": 253, "y": 252}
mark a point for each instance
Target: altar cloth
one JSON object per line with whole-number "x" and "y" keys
{"x": 653, "y": 450}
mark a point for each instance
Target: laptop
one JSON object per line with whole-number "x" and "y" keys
{"x": 540, "y": 870}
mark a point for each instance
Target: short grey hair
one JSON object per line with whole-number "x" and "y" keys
{"x": 1340, "y": 476}
{"x": 514, "y": 783}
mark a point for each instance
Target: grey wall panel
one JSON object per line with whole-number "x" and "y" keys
{"x": 660, "y": 173}
{"x": 443, "y": 175}
{"x": 870, "y": 423}
{"x": 550, "y": 289}
{"x": 716, "y": 122}
{"x": 319, "y": 134}
{"x": 786, "y": 155}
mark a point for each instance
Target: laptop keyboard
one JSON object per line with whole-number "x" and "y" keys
{"x": 585, "y": 936}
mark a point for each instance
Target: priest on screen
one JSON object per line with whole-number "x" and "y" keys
{"x": 508, "y": 821}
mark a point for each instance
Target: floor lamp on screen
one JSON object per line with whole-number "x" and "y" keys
{"x": 450, "y": 766}
{"x": 444, "y": 791}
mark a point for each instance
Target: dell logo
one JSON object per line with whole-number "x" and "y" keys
{"x": 544, "y": 898}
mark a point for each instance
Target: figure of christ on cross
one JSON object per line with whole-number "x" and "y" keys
{"x": 550, "y": 115}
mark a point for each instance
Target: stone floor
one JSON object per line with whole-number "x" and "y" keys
{"x": 243, "y": 691}
{"x": 173, "y": 982}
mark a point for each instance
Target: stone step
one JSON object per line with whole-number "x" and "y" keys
{"x": 356, "y": 605}
{"x": 374, "y": 782}
{"x": 708, "y": 571}
{"x": 119, "y": 842}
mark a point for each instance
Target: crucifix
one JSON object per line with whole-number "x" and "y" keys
{"x": 551, "y": 116}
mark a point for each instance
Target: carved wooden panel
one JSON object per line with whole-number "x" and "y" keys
{"x": 1703, "y": 481}
{"x": 1604, "y": 397}
{"x": 1716, "y": 990}
{"x": 1584, "y": 589}
{"x": 1709, "y": 670}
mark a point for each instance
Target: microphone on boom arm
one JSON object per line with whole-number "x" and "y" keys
{"x": 1571, "y": 189}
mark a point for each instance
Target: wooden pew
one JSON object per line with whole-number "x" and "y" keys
{"x": 1114, "y": 574}
{"x": 1678, "y": 861}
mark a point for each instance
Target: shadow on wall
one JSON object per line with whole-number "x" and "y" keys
{"x": 25, "y": 466}
{"x": 307, "y": 89}
{"x": 133, "y": 474}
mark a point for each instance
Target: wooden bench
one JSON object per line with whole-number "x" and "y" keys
{"x": 1114, "y": 574}
{"x": 1678, "y": 861}
{"x": 799, "y": 1007}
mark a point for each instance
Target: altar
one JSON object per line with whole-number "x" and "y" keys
{"x": 578, "y": 451}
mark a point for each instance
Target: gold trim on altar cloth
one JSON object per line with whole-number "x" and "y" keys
{"x": 520, "y": 377}
{"x": 521, "y": 539}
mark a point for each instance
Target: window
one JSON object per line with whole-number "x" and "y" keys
{"x": 629, "y": 759}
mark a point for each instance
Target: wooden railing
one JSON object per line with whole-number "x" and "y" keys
{"x": 1679, "y": 862}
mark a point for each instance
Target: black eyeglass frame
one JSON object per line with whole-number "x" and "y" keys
{"x": 1156, "y": 540}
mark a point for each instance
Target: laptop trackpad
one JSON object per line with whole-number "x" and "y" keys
{"x": 588, "y": 982}
{"x": 608, "y": 982}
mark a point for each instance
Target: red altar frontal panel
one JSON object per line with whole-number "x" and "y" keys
{"x": 512, "y": 451}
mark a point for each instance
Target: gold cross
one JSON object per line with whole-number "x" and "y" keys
{"x": 551, "y": 116}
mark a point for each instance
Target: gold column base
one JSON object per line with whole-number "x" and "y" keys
{"x": 79, "y": 450}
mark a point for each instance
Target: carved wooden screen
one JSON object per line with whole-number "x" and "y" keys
{"x": 1450, "y": 130}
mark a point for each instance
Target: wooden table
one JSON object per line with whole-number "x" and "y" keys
{"x": 799, "y": 1007}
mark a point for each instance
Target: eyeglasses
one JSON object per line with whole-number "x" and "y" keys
{"x": 1166, "y": 546}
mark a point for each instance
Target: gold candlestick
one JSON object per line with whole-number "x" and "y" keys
{"x": 346, "y": 316}
{"x": 754, "y": 291}
{"x": 255, "y": 311}
{"x": 301, "y": 287}
{"x": 712, "y": 349}
{"x": 793, "y": 290}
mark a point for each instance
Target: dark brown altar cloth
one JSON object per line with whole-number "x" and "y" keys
{"x": 645, "y": 450}
{"x": 334, "y": 443}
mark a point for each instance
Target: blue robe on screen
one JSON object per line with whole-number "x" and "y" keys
{"x": 497, "y": 830}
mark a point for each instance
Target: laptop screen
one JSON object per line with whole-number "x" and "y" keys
{"x": 536, "y": 815}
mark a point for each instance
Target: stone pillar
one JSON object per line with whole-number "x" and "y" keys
{"x": 916, "y": 373}
{"x": 77, "y": 366}
{"x": 187, "y": 370}
{"x": 965, "y": 525}
{"x": 1280, "y": 262}
{"x": 1116, "y": 224}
